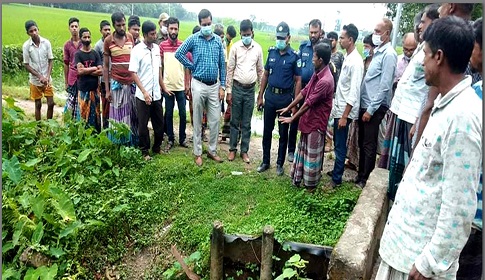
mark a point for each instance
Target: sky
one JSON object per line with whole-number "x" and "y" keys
{"x": 363, "y": 15}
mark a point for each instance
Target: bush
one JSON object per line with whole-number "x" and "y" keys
{"x": 12, "y": 59}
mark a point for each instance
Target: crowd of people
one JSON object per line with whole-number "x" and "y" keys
{"x": 420, "y": 111}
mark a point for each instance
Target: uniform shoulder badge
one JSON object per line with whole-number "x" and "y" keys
{"x": 272, "y": 48}
{"x": 298, "y": 63}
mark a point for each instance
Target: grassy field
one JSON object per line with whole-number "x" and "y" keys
{"x": 53, "y": 25}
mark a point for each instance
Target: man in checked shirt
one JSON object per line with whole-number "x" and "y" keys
{"x": 208, "y": 81}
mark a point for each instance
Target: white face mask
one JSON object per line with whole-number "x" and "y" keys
{"x": 164, "y": 30}
{"x": 376, "y": 39}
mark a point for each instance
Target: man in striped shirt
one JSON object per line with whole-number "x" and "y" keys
{"x": 175, "y": 78}
{"x": 120, "y": 92}
{"x": 208, "y": 81}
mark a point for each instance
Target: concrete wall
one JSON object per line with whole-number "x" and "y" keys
{"x": 355, "y": 253}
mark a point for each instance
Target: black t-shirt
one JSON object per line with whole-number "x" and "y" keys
{"x": 88, "y": 59}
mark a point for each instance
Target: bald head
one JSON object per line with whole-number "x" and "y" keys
{"x": 387, "y": 24}
{"x": 409, "y": 44}
{"x": 383, "y": 29}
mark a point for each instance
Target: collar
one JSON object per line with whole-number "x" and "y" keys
{"x": 382, "y": 48}
{"x": 173, "y": 43}
{"x": 31, "y": 42}
{"x": 309, "y": 43}
{"x": 201, "y": 35}
{"x": 442, "y": 102}
{"x": 322, "y": 72}
{"x": 145, "y": 46}
{"x": 248, "y": 47}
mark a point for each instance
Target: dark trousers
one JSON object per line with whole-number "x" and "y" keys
{"x": 154, "y": 111}
{"x": 178, "y": 96}
{"x": 272, "y": 103}
{"x": 241, "y": 113}
{"x": 470, "y": 262}
{"x": 294, "y": 128}
{"x": 368, "y": 135}
{"x": 340, "y": 142}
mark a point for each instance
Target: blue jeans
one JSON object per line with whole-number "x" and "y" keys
{"x": 169, "y": 105}
{"x": 340, "y": 142}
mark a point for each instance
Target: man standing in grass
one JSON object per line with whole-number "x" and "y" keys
{"x": 175, "y": 77}
{"x": 244, "y": 70}
{"x": 105, "y": 29}
{"x": 89, "y": 68}
{"x": 146, "y": 70}
{"x": 313, "y": 114}
{"x": 70, "y": 72}
{"x": 37, "y": 54}
{"x": 120, "y": 92}
{"x": 208, "y": 81}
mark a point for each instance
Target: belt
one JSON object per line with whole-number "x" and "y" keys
{"x": 209, "y": 83}
{"x": 246, "y": 86}
{"x": 280, "y": 90}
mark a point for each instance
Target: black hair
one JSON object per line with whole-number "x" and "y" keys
{"x": 454, "y": 37}
{"x": 133, "y": 20}
{"x": 117, "y": 17}
{"x": 218, "y": 31}
{"x": 432, "y": 11}
{"x": 466, "y": 8}
{"x": 103, "y": 23}
{"x": 478, "y": 31}
{"x": 204, "y": 13}
{"x": 148, "y": 26}
{"x": 368, "y": 40}
{"x": 196, "y": 29}
{"x": 323, "y": 51}
{"x": 73, "y": 19}
{"x": 29, "y": 24}
{"x": 326, "y": 41}
{"x": 417, "y": 19}
{"x": 82, "y": 30}
{"x": 231, "y": 31}
{"x": 315, "y": 22}
{"x": 332, "y": 35}
{"x": 351, "y": 31}
{"x": 172, "y": 20}
{"x": 245, "y": 25}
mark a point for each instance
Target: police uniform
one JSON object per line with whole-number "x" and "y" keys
{"x": 279, "y": 93}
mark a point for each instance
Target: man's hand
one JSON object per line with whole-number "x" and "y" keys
{"x": 412, "y": 131}
{"x": 148, "y": 99}
{"x": 285, "y": 119}
{"x": 164, "y": 89}
{"x": 342, "y": 123}
{"x": 108, "y": 96}
{"x": 66, "y": 85}
{"x": 222, "y": 94}
{"x": 44, "y": 80}
{"x": 188, "y": 93}
{"x": 260, "y": 102}
{"x": 283, "y": 111}
{"x": 229, "y": 99}
{"x": 366, "y": 117}
{"x": 416, "y": 275}
{"x": 294, "y": 110}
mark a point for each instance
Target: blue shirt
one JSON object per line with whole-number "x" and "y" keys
{"x": 377, "y": 85}
{"x": 208, "y": 56}
{"x": 477, "y": 221}
{"x": 306, "y": 55}
{"x": 282, "y": 68}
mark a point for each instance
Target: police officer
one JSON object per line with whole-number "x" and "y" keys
{"x": 280, "y": 83}
{"x": 307, "y": 69}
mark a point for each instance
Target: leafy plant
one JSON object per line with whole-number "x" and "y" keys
{"x": 294, "y": 269}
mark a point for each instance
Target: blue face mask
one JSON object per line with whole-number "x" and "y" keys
{"x": 206, "y": 30}
{"x": 366, "y": 53}
{"x": 280, "y": 44}
{"x": 246, "y": 40}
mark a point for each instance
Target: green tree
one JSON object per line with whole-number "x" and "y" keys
{"x": 409, "y": 11}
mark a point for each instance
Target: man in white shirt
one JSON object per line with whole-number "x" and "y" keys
{"x": 37, "y": 55}
{"x": 244, "y": 70}
{"x": 146, "y": 69}
{"x": 347, "y": 99}
{"x": 431, "y": 218}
